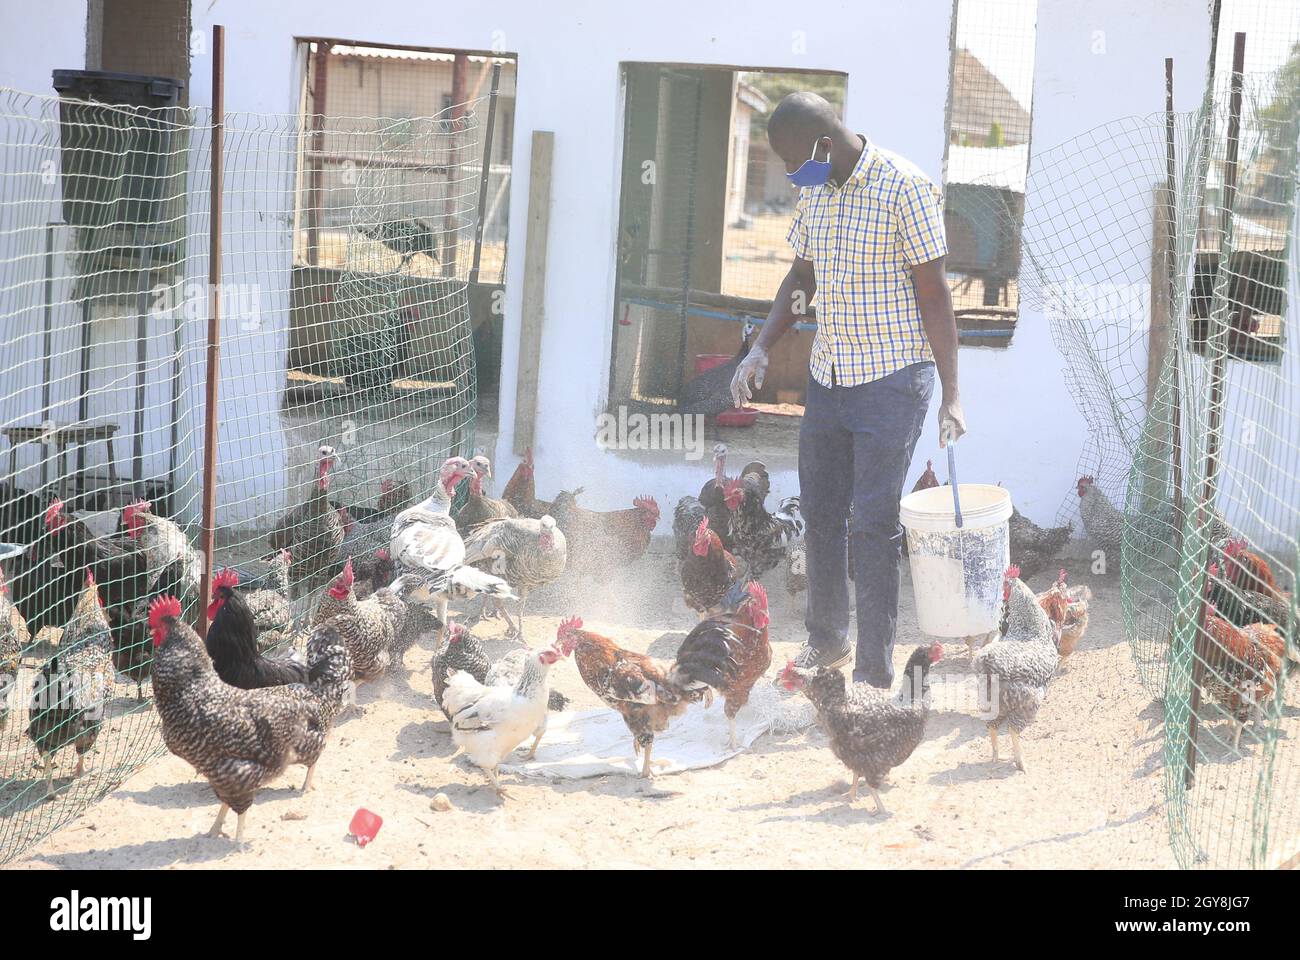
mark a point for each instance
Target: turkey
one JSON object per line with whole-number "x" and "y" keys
{"x": 430, "y": 553}
{"x": 709, "y": 393}
{"x": 313, "y": 531}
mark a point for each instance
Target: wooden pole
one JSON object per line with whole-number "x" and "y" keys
{"x": 209, "y": 529}
{"x": 487, "y": 166}
{"x": 316, "y": 190}
{"x": 1219, "y": 322}
{"x": 534, "y": 290}
{"x": 451, "y": 235}
{"x": 1171, "y": 268}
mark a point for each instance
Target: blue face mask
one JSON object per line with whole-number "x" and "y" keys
{"x": 813, "y": 172}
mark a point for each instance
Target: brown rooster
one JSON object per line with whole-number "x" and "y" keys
{"x": 1067, "y": 607}
{"x": 313, "y": 531}
{"x": 1247, "y": 570}
{"x": 520, "y": 491}
{"x": 1242, "y": 665}
{"x": 634, "y": 684}
{"x": 728, "y": 653}
{"x": 599, "y": 540}
{"x": 707, "y": 571}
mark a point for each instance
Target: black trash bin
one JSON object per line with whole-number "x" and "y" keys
{"x": 122, "y": 153}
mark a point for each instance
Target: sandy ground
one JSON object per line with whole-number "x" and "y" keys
{"x": 1092, "y": 796}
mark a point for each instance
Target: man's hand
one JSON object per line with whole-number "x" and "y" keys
{"x": 754, "y": 365}
{"x": 952, "y": 422}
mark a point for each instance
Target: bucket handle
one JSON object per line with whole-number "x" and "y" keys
{"x": 952, "y": 480}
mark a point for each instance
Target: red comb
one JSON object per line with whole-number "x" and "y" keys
{"x": 347, "y": 576}
{"x": 386, "y": 486}
{"x": 645, "y": 501}
{"x": 53, "y": 510}
{"x": 383, "y": 554}
{"x": 568, "y": 625}
{"x": 226, "y": 578}
{"x": 702, "y": 526}
{"x": 161, "y": 607}
{"x": 90, "y": 578}
{"x": 286, "y": 556}
{"x": 1214, "y": 570}
{"x": 1013, "y": 572}
{"x": 757, "y": 592}
{"x": 787, "y": 675}
{"x": 1060, "y": 577}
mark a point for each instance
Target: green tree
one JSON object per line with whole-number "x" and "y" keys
{"x": 995, "y": 137}
{"x": 1282, "y": 115}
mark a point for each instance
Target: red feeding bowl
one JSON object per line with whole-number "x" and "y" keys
{"x": 364, "y": 826}
{"x": 707, "y": 361}
{"x": 740, "y": 417}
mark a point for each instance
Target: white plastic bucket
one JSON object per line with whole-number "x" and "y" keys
{"x": 957, "y": 573}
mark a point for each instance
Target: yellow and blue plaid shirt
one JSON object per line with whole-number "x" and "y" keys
{"x": 863, "y": 239}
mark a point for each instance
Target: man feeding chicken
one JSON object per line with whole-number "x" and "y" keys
{"x": 868, "y": 236}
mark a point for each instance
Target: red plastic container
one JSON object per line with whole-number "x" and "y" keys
{"x": 707, "y": 361}
{"x": 364, "y": 826}
{"x": 742, "y": 417}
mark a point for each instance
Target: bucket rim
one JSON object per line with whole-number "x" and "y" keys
{"x": 996, "y": 507}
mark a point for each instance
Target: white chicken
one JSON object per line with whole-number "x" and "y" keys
{"x": 427, "y": 548}
{"x": 489, "y": 722}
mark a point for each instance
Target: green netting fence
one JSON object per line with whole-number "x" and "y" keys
{"x": 1162, "y": 251}
{"x": 347, "y": 249}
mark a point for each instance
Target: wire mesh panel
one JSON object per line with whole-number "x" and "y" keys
{"x": 1162, "y": 251}
{"x": 341, "y": 386}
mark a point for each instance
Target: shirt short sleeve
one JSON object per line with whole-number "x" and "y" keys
{"x": 920, "y": 222}
{"x": 798, "y": 235}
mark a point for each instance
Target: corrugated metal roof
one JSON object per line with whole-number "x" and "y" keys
{"x": 393, "y": 53}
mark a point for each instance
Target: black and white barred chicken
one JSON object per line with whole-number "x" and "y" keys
{"x": 168, "y": 551}
{"x": 373, "y": 632}
{"x": 526, "y": 553}
{"x": 870, "y": 731}
{"x": 1034, "y": 548}
{"x": 1015, "y": 670}
{"x": 762, "y": 539}
{"x": 461, "y": 651}
{"x": 71, "y": 692}
{"x": 430, "y": 553}
{"x": 14, "y": 639}
{"x": 239, "y": 739}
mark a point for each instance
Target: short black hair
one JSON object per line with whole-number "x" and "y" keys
{"x": 804, "y": 115}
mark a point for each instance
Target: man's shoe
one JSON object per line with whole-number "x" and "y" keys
{"x": 811, "y": 656}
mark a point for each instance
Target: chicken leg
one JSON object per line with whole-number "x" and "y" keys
{"x": 81, "y": 765}
{"x": 880, "y": 807}
{"x": 1015, "y": 749}
{"x": 852, "y": 795}
{"x": 732, "y": 742}
{"x": 306, "y": 784}
{"x": 220, "y": 821}
{"x": 496, "y": 784}
{"x": 993, "y": 739}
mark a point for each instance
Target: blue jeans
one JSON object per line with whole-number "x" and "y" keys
{"x": 855, "y": 447}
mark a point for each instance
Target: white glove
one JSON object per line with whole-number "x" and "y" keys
{"x": 754, "y": 365}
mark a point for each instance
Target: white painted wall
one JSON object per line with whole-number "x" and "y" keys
{"x": 1024, "y": 428}
{"x": 1096, "y": 61}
